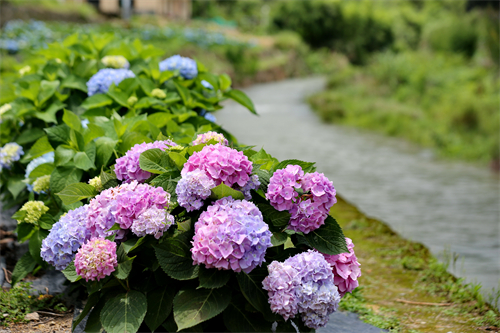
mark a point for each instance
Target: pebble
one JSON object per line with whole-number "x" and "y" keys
{"x": 32, "y": 316}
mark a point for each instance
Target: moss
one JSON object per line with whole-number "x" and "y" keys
{"x": 396, "y": 271}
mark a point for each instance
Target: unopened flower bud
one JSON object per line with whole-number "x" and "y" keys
{"x": 158, "y": 93}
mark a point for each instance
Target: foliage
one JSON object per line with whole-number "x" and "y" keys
{"x": 20, "y": 300}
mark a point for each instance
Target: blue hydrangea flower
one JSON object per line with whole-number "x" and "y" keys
{"x": 9, "y": 154}
{"x": 85, "y": 123}
{"x": 207, "y": 85}
{"x": 46, "y": 158}
{"x": 65, "y": 238}
{"x": 102, "y": 80}
{"x": 187, "y": 67}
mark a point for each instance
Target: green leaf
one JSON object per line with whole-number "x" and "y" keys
{"x": 251, "y": 287}
{"x": 94, "y": 324}
{"x": 92, "y": 132}
{"x": 168, "y": 183}
{"x": 20, "y": 215}
{"x": 42, "y": 170}
{"x": 132, "y": 244}
{"x": 279, "y": 238}
{"x": 108, "y": 180}
{"x": 328, "y": 238}
{"x": 192, "y": 307}
{"x": 72, "y": 120}
{"x": 70, "y": 272}
{"x": 210, "y": 78}
{"x": 105, "y": 147}
{"x": 184, "y": 93}
{"x": 91, "y": 302}
{"x": 63, "y": 155}
{"x": 222, "y": 191}
{"x": 41, "y": 146}
{"x": 83, "y": 161}
{"x": 24, "y": 230}
{"x": 124, "y": 312}
{"x": 165, "y": 76}
{"x": 237, "y": 319}
{"x": 159, "y": 306}
{"x": 97, "y": 101}
{"x": 240, "y": 97}
{"x": 46, "y": 221}
{"x": 29, "y": 135}
{"x": 49, "y": 115}
{"x": 154, "y": 161}
{"x": 147, "y": 85}
{"x": 35, "y": 244}
{"x": 15, "y": 185}
{"x": 76, "y": 192}
{"x": 213, "y": 278}
{"x": 307, "y": 167}
{"x": 74, "y": 82}
{"x": 118, "y": 96}
{"x": 174, "y": 257}
{"x": 24, "y": 266}
{"x": 178, "y": 159}
{"x": 58, "y": 135}
{"x": 224, "y": 82}
{"x": 47, "y": 90}
{"x": 61, "y": 177}
{"x": 273, "y": 216}
{"x": 123, "y": 269}
{"x": 130, "y": 139}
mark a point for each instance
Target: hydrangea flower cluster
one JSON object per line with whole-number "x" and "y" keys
{"x": 65, "y": 238}
{"x": 46, "y": 158}
{"x": 205, "y": 137}
{"x": 96, "y": 182}
{"x": 187, "y": 67}
{"x": 221, "y": 163}
{"x": 102, "y": 80}
{"x": 345, "y": 268}
{"x": 231, "y": 235}
{"x": 96, "y": 259}
{"x": 302, "y": 284}
{"x": 9, "y": 154}
{"x": 153, "y": 221}
{"x": 127, "y": 167}
{"x": 252, "y": 184}
{"x": 41, "y": 184}
{"x": 116, "y": 61}
{"x": 193, "y": 188}
{"x": 308, "y": 211}
{"x": 34, "y": 210}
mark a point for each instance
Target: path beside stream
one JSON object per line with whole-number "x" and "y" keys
{"x": 448, "y": 206}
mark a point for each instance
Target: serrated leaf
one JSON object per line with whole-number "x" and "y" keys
{"x": 72, "y": 120}
{"x": 70, "y": 272}
{"x": 63, "y": 155}
{"x": 40, "y": 147}
{"x": 76, "y": 192}
{"x": 96, "y": 101}
{"x": 328, "y": 238}
{"x": 159, "y": 306}
{"x": 178, "y": 159}
{"x": 174, "y": 257}
{"x": 24, "y": 266}
{"x": 49, "y": 114}
{"x": 213, "y": 278}
{"x": 132, "y": 244}
{"x": 46, "y": 221}
{"x": 42, "y": 170}
{"x": 83, "y": 161}
{"x": 154, "y": 161}
{"x": 222, "y": 191}
{"x": 61, "y": 177}
{"x": 278, "y": 238}
{"x": 240, "y": 97}
{"x": 273, "y": 216}
{"x": 15, "y": 185}
{"x": 104, "y": 150}
{"x": 118, "y": 96}
{"x": 124, "y": 312}
{"x": 192, "y": 307}
{"x": 19, "y": 216}
{"x": 123, "y": 269}
{"x": 74, "y": 82}
{"x": 307, "y": 167}
{"x": 58, "y": 135}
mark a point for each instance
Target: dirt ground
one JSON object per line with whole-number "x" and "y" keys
{"x": 46, "y": 324}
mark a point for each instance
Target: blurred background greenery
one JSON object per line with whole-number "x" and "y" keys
{"x": 423, "y": 70}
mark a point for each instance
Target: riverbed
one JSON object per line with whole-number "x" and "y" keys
{"x": 451, "y": 207}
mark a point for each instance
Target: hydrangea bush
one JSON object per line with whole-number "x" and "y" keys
{"x": 158, "y": 213}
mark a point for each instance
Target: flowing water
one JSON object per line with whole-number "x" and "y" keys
{"x": 448, "y": 206}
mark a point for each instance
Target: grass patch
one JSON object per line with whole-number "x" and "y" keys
{"x": 403, "y": 288}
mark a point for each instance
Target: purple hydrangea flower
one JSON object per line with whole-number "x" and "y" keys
{"x": 127, "y": 167}
{"x": 153, "y": 221}
{"x": 65, "y": 238}
{"x": 252, "y": 184}
{"x": 187, "y": 67}
{"x": 221, "y": 163}
{"x": 309, "y": 210}
{"x": 302, "y": 284}
{"x": 96, "y": 259}
{"x": 193, "y": 188}
{"x": 231, "y": 234}
{"x": 9, "y": 154}
{"x": 100, "y": 82}
{"x": 205, "y": 137}
{"x": 345, "y": 267}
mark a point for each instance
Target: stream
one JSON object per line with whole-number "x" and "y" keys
{"x": 451, "y": 207}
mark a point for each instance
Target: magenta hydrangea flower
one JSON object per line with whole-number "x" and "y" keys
{"x": 193, "y": 188}
{"x": 345, "y": 267}
{"x": 153, "y": 221}
{"x": 309, "y": 210}
{"x": 302, "y": 284}
{"x": 221, "y": 163}
{"x": 65, "y": 238}
{"x": 102, "y": 212}
{"x": 127, "y": 167}
{"x": 96, "y": 259}
{"x": 231, "y": 234}
{"x": 131, "y": 204}
{"x": 205, "y": 137}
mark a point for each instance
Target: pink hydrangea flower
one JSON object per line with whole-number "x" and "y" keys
{"x": 221, "y": 163}
{"x": 96, "y": 259}
{"x": 281, "y": 190}
{"x": 345, "y": 268}
{"x": 127, "y": 167}
{"x": 154, "y": 221}
{"x": 205, "y": 137}
{"x": 231, "y": 235}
